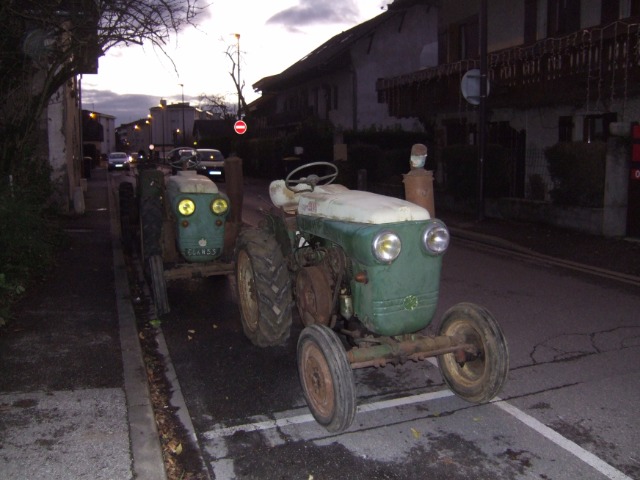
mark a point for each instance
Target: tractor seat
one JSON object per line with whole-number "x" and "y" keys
{"x": 288, "y": 200}
{"x": 360, "y": 207}
{"x": 336, "y": 202}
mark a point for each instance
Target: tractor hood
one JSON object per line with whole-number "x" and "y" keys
{"x": 361, "y": 207}
{"x": 188, "y": 181}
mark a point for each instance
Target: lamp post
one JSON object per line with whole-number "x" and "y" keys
{"x": 163, "y": 106}
{"x": 148, "y": 122}
{"x": 183, "y": 129}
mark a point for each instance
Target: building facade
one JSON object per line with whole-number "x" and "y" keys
{"x": 337, "y": 81}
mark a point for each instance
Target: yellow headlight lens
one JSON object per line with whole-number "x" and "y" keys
{"x": 219, "y": 206}
{"x": 186, "y": 207}
{"x": 386, "y": 246}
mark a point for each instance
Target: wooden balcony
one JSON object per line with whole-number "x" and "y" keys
{"x": 591, "y": 67}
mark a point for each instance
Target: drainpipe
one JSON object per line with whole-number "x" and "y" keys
{"x": 354, "y": 96}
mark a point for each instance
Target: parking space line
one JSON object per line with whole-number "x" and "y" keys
{"x": 563, "y": 442}
{"x": 539, "y": 427}
{"x": 307, "y": 418}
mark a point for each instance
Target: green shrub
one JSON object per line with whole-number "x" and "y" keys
{"x": 30, "y": 233}
{"x": 577, "y": 170}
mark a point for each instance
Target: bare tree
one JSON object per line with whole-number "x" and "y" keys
{"x": 234, "y": 54}
{"x": 217, "y": 105}
{"x": 46, "y": 43}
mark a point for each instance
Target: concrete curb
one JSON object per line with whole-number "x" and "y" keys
{"x": 145, "y": 443}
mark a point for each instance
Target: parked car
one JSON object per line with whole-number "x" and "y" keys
{"x": 118, "y": 161}
{"x": 210, "y": 163}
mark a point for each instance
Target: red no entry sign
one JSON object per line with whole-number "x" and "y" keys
{"x": 240, "y": 127}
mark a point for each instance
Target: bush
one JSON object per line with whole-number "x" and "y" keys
{"x": 577, "y": 170}
{"x": 29, "y": 237}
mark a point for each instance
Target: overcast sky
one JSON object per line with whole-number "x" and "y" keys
{"x": 274, "y": 34}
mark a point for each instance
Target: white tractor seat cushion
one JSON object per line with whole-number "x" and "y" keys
{"x": 337, "y": 202}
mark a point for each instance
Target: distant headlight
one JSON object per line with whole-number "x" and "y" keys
{"x": 219, "y": 206}
{"x": 186, "y": 207}
{"x": 436, "y": 238}
{"x": 386, "y": 246}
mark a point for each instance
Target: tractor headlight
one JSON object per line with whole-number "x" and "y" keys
{"x": 436, "y": 238}
{"x": 186, "y": 207}
{"x": 219, "y": 206}
{"x": 386, "y": 246}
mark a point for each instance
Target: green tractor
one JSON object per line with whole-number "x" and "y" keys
{"x": 363, "y": 271}
{"x": 181, "y": 222}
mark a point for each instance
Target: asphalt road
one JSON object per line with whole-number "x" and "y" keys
{"x": 568, "y": 409}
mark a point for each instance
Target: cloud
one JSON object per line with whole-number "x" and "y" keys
{"x": 316, "y": 12}
{"x": 126, "y": 108}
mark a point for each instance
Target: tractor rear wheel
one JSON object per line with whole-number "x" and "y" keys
{"x": 125, "y": 200}
{"x": 264, "y": 288}
{"x": 150, "y": 227}
{"x": 326, "y": 378}
{"x": 479, "y": 377}
{"x": 158, "y": 284}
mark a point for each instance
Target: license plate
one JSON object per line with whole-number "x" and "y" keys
{"x": 198, "y": 252}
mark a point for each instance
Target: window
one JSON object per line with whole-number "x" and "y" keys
{"x": 565, "y": 129}
{"x": 629, "y": 8}
{"x": 563, "y": 16}
{"x": 596, "y": 127}
{"x": 459, "y": 41}
{"x": 609, "y": 11}
{"x": 530, "y": 21}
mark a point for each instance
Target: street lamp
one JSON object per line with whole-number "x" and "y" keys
{"x": 183, "y": 129}
{"x": 163, "y": 106}
{"x": 149, "y": 127}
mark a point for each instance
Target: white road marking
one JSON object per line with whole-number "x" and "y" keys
{"x": 539, "y": 427}
{"x": 307, "y": 418}
{"x": 563, "y": 442}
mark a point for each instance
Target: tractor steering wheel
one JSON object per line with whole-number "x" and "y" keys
{"x": 313, "y": 179}
{"x": 186, "y": 162}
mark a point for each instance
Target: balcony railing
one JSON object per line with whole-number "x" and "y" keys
{"x": 591, "y": 67}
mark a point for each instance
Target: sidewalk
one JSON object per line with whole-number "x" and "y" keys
{"x": 73, "y": 390}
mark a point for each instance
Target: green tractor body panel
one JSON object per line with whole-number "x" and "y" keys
{"x": 399, "y": 297}
{"x": 199, "y": 231}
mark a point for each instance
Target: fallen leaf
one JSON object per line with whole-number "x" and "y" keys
{"x": 416, "y": 433}
{"x": 191, "y": 331}
{"x": 215, "y": 326}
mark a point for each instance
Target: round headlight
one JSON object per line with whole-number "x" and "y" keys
{"x": 436, "y": 238}
{"x": 186, "y": 207}
{"x": 219, "y": 206}
{"x": 386, "y": 246}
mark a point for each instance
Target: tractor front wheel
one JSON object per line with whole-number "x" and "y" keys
{"x": 326, "y": 378}
{"x": 476, "y": 377}
{"x": 264, "y": 288}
